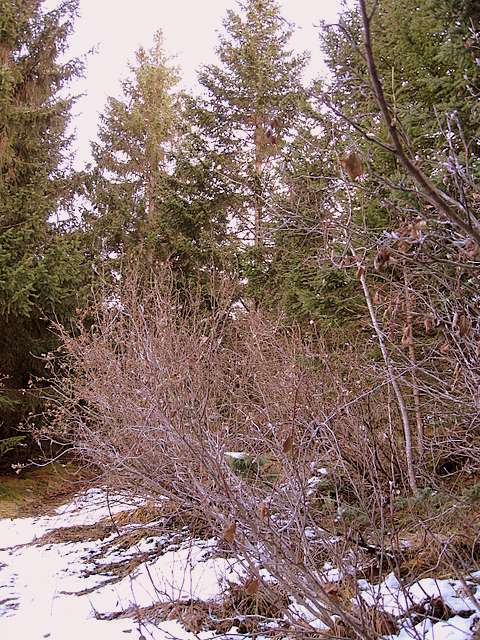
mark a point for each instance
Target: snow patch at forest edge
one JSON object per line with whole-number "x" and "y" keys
{"x": 49, "y": 589}
{"x": 39, "y": 584}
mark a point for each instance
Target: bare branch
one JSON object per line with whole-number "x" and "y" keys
{"x": 444, "y": 204}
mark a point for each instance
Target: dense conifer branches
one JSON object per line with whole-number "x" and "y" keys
{"x": 252, "y": 105}
{"x": 42, "y": 264}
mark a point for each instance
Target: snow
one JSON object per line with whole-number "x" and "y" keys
{"x": 175, "y": 575}
{"x": 330, "y": 573}
{"x": 237, "y": 455}
{"x": 239, "y": 571}
{"x": 87, "y": 508}
{"x": 300, "y": 612}
{"x": 456, "y": 628}
{"x": 417, "y": 631}
{"x": 395, "y": 599}
{"x": 452, "y": 592}
{"x": 42, "y": 585}
{"x": 36, "y": 582}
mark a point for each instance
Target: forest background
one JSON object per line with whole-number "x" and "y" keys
{"x": 284, "y": 267}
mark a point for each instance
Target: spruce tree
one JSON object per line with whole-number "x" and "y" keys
{"x": 302, "y": 281}
{"x": 155, "y": 197}
{"x": 250, "y": 107}
{"x": 424, "y": 53}
{"x": 132, "y": 158}
{"x": 42, "y": 266}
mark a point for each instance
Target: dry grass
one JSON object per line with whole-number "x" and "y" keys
{"x": 145, "y": 514}
{"x": 249, "y": 616}
{"x": 268, "y": 601}
{"x": 128, "y": 539}
{"x": 441, "y": 555}
{"x": 39, "y": 490}
{"x": 117, "y": 570}
{"x": 97, "y": 531}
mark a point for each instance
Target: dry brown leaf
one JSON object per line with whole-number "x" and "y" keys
{"x": 404, "y": 246}
{"x": 407, "y": 337}
{"x": 444, "y": 347}
{"x": 331, "y": 588}
{"x": 382, "y": 622}
{"x": 471, "y": 249}
{"x": 193, "y": 621}
{"x": 464, "y": 325}
{"x": 264, "y": 511}
{"x": 416, "y": 229}
{"x": 455, "y": 320}
{"x": 230, "y": 531}
{"x": 347, "y": 261}
{"x": 403, "y": 230}
{"x": 251, "y": 585}
{"x": 288, "y": 444}
{"x": 381, "y": 259}
{"x": 428, "y": 323}
{"x": 352, "y": 165}
{"x": 339, "y": 629}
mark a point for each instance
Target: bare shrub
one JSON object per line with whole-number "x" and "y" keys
{"x": 255, "y": 434}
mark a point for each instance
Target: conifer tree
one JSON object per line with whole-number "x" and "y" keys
{"x": 250, "y": 107}
{"x": 42, "y": 266}
{"x": 424, "y": 53}
{"x": 425, "y": 56}
{"x": 133, "y": 155}
{"x": 155, "y": 200}
{"x": 302, "y": 280}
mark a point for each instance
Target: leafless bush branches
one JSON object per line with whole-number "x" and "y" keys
{"x": 292, "y": 458}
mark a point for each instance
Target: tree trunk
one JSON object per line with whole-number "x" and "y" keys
{"x": 392, "y": 379}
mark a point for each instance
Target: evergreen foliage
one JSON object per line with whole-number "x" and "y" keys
{"x": 42, "y": 264}
{"x": 154, "y": 199}
{"x": 252, "y": 103}
{"x": 302, "y": 280}
{"x": 424, "y": 53}
{"x": 132, "y": 157}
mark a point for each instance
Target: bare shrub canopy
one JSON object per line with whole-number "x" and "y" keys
{"x": 290, "y": 456}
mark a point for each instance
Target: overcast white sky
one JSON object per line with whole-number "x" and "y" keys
{"x": 118, "y": 27}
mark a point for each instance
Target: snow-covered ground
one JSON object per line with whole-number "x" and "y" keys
{"x": 40, "y": 583}
{"x": 50, "y": 588}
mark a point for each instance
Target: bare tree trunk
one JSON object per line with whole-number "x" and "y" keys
{"x": 151, "y": 209}
{"x": 257, "y": 178}
{"x": 413, "y": 361}
{"x": 392, "y": 379}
